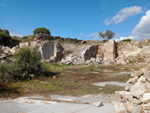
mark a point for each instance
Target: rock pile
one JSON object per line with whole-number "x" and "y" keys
{"x": 7, "y": 51}
{"x": 136, "y": 98}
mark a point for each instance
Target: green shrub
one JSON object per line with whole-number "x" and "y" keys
{"x": 29, "y": 60}
{"x": 25, "y": 37}
{"x": 5, "y": 39}
{"x": 26, "y": 61}
{"x": 126, "y": 40}
{"x": 41, "y": 30}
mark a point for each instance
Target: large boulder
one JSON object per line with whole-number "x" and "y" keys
{"x": 110, "y": 51}
{"x": 138, "y": 89}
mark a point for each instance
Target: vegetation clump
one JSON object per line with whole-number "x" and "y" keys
{"x": 25, "y": 65}
{"x": 4, "y": 36}
{"x": 126, "y": 40}
{"x": 107, "y": 35}
{"x": 41, "y": 30}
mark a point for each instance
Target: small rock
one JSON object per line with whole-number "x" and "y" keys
{"x": 119, "y": 108}
{"x": 98, "y": 104}
{"x": 137, "y": 109}
{"x": 146, "y": 97}
{"x": 142, "y": 79}
{"x": 129, "y": 106}
{"x": 132, "y": 80}
{"x": 146, "y": 106}
{"x": 138, "y": 90}
{"x": 128, "y": 88}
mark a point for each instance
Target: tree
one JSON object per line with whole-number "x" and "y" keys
{"x": 5, "y": 32}
{"x": 107, "y": 34}
{"x": 41, "y": 30}
{"x": 4, "y": 36}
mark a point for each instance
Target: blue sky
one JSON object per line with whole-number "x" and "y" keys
{"x": 82, "y": 19}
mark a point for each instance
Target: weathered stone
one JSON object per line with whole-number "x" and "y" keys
{"x": 98, "y": 104}
{"x": 139, "y": 73}
{"x": 142, "y": 79}
{"x": 137, "y": 109}
{"x": 23, "y": 44}
{"x": 128, "y": 88}
{"x": 110, "y": 51}
{"x": 146, "y": 106}
{"x": 146, "y": 97}
{"x": 137, "y": 102}
{"x": 47, "y": 50}
{"x": 138, "y": 90}
{"x": 119, "y": 108}
{"x": 129, "y": 106}
{"x": 147, "y": 75}
{"x": 59, "y": 52}
{"x": 89, "y": 53}
{"x": 123, "y": 95}
{"x": 132, "y": 80}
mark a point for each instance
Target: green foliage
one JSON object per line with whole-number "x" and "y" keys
{"x": 29, "y": 60}
{"x": 107, "y": 34}
{"x": 126, "y": 40}
{"x": 25, "y": 37}
{"x": 4, "y": 36}
{"x": 26, "y": 62}
{"x": 41, "y": 30}
{"x": 6, "y": 32}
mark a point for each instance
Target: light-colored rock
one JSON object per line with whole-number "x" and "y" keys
{"x": 146, "y": 97}
{"x": 146, "y": 106}
{"x": 137, "y": 109}
{"x": 147, "y": 75}
{"x": 132, "y": 80}
{"x": 119, "y": 108}
{"x": 123, "y": 95}
{"x": 137, "y": 102}
{"x": 23, "y": 44}
{"x": 139, "y": 73}
{"x": 142, "y": 79}
{"x": 128, "y": 88}
{"x": 129, "y": 106}
{"x": 110, "y": 51}
{"x": 138, "y": 89}
{"x": 98, "y": 104}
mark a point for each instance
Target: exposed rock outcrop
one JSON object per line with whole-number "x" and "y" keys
{"x": 110, "y": 51}
{"x": 137, "y": 98}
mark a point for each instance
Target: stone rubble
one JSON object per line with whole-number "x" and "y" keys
{"x": 105, "y": 52}
{"x": 136, "y": 98}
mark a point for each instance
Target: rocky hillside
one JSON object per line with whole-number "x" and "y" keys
{"x": 110, "y": 52}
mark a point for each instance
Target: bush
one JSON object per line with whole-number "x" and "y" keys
{"x": 126, "y": 40}
{"x": 41, "y": 30}
{"x": 26, "y": 61}
{"x": 5, "y": 39}
{"x": 25, "y": 37}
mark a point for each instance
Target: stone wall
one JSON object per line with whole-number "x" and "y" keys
{"x": 47, "y": 50}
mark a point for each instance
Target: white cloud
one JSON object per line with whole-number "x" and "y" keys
{"x": 124, "y": 14}
{"x": 81, "y": 34}
{"x": 94, "y": 35}
{"x": 16, "y": 34}
{"x": 141, "y": 30}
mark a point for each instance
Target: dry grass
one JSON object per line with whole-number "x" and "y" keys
{"x": 71, "y": 80}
